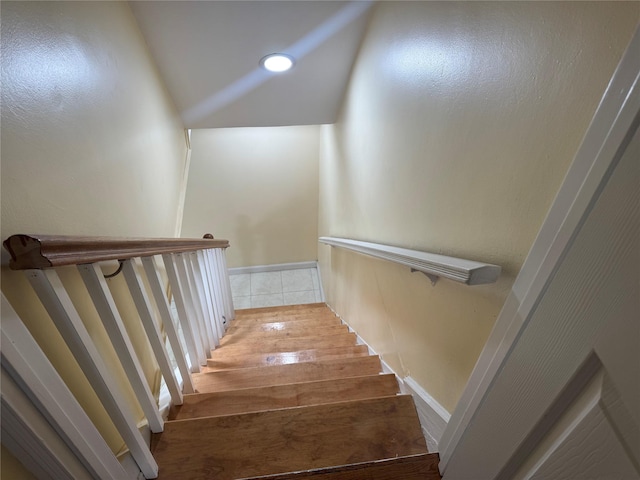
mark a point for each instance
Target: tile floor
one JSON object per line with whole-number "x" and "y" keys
{"x": 272, "y": 289}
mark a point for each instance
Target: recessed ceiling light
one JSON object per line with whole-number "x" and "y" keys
{"x": 277, "y": 62}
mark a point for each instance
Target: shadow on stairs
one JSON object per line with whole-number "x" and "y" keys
{"x": 289, "y": 395}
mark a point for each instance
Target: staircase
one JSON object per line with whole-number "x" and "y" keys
{"x": 289, "y": 395}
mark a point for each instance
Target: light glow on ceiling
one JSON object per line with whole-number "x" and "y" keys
{"x": 305, "y": 45}
{"x": 277, "y": 62}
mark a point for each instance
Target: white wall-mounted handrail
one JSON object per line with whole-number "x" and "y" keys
{"x": 433, "y": 265}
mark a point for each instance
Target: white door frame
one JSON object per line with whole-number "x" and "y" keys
{"x": 611, "y": 129}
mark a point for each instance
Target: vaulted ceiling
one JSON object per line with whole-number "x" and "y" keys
{"x": 208, "y": 53}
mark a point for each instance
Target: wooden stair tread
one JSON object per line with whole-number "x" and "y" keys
{"x": 284, "y": 324}
{"x": 301, "y": 306}
{"x": 223, "y": 362}
{"x": 240, "y": 336}
{"x": 294, "y": 439}
{"x": 287, "y": 344}
{"x": 292, "y": 373}
{"x": 283, "y": 316}
{"x": 423, "y": 466}
{"x": 289, "y": 395}
{"x": 284, "y": 396}
{"x": 311, "y": 307}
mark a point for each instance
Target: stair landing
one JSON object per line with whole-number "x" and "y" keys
{"x": 325, "y": 413}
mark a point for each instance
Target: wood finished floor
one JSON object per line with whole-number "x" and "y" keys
{"x": 289, "y": 395}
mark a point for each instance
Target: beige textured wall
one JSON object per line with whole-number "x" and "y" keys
{"x": 458, "y": 126}
{"x": 257, "y": 188}
{"x": 91, "y": 144}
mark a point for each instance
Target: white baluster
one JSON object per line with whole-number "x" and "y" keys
{"x": 215, "y": 292}
{"x": 155, "y": 282}
{"x": 197, "y": 305}
{"x": 218, "y": 285}
{"x": 101, "y": 295}
{"x": 190, "y": 307}
{"x": 196, "y": 276}
{"x": 206, "y": 272}
{"x": 226, "y": 285}
{"x": 145, "y": 310}
{"x": 56, "y": 301}
{"x": 32, "y": 371}
{"x": 181, "y": 307}
{"x": 214, "y": 313}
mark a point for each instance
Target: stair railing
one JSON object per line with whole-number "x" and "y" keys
{"x": 432, "y": 265}
{"x": 199, "y": 282}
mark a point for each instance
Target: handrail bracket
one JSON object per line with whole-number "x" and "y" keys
{"x": 434, "y": 278}
{"x": 115, "y": 274}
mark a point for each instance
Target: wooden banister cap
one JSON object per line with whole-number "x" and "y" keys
{"x": 44, "y": 251}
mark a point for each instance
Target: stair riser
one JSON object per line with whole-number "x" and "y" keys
{"x": 285, "y": 396}
{"x": 310, "y": 307}
{"x": 285, "y": 345}
{"x": 285, "y": 358}
{"x": 284, "y": 325}
{"x": 415, "y": 467}
{"x": 288, "y": 317}
{"x": 300, "y": 372}
{"x": 242, "y": 336}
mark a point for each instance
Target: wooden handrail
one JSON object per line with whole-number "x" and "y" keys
{"x": 44, "y": 251}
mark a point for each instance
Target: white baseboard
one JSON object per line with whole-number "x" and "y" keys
{"x": 124, "y": 455}
{"x": 130, "y": 466}
{"x": 433, "y": 416}
{"x": 272, "y": 268}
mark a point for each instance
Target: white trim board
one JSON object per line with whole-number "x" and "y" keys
{"x": 276, "y": 267}
{"x": 183, "y": 184}
{"x": 323, "y": 299}
{"x": 433, "y": 416}
{"x": 608, "y": 134}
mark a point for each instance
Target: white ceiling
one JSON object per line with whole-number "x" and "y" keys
{"x": 208, "y": 54}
